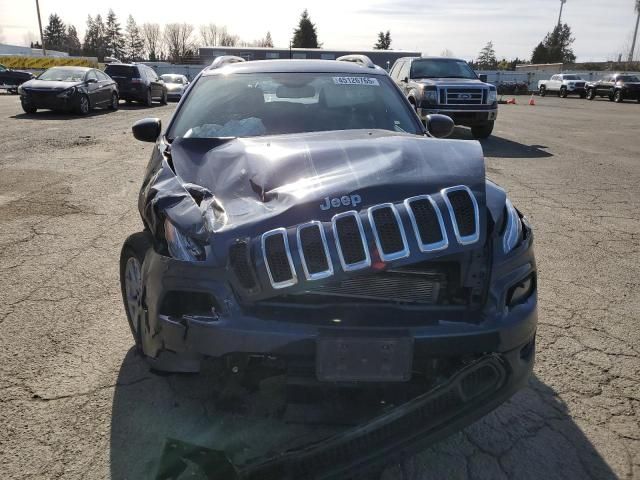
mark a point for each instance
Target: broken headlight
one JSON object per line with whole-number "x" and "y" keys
{"x": 180, "y": 246}
{"x": 67, "y": 93}
{"x": 513, "y": 228}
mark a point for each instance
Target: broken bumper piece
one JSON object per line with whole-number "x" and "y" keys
{"x": 467, "y": 395}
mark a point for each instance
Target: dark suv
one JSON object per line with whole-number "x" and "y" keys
{"x": 138, "y": 82}
{"x": 617, "y": 87}
{"x": 300, "y": 220}
{"x": 448, "y": 86}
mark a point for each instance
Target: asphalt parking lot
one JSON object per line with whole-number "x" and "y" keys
{"x": 75, "y": 402}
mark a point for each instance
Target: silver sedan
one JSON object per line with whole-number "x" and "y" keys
{"x": 176, "y": 85}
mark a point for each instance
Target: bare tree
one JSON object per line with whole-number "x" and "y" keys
{"x": 152, "y": 36}
{"x": 210, "y": 34}
{"x": 179, "y": 41}
{"x": 226, "y": 39}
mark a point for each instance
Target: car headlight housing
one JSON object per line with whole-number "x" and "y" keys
{"x": 513, "y": 228}
{"x": 492, "y": 97}
{"x": 67, "y": 93}
{"x": 180, "y": 246}
{"x": 431, "y": 95}
{"x": 20, "y": 90}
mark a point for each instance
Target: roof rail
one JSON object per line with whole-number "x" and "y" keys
{"x": 223, "y": 60}
{"x": 360, "y": 59}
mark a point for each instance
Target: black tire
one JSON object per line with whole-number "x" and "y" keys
{"x": 28, "y": 107}
{"x": 164, "y": 99}
{"x": 84, "y": 106}
{"x": 148, "y": 101}
{"x": 131, "y": 257}
{"x": 618, "y": 96}
{"x": 482, "y": 131}
{"x": 591, "y": 94}
{"x": 563, "y": 92}
{"x": 543, "y": 91}
{"x": 115, "y": 102}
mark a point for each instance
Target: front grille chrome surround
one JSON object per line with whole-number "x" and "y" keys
{"x": 427, "y": 247}
{"x": 348, "y": 267}
{"x": 317, "y": 275}
{"x": 294, "y": 278}
{"x": 466, "y": 239}
{"x": 387, "y": 257}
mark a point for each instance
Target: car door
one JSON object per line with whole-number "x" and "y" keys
{"x": 105, "y": 86}
{"x": 93, "y": 87}
{"x": 156, "y": 84}
{"x": 603, "y": 87}
{"x": 555, "y": 82}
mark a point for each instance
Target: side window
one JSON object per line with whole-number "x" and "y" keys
{"x": 92, "y": 74}
{"x": 406, "y": 70}
{"x": 394, "y": 70}
{"x": 554, "y": 78}
{"x": 101, "y": 76}
{"x": 152, "y": 74}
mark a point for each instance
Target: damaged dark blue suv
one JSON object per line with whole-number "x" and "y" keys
{"x": 298, "y": 214}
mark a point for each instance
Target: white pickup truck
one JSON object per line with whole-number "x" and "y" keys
{"x": 563, "y": 84}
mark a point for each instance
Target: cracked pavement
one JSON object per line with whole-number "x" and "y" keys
{"x": 76, "y": 402}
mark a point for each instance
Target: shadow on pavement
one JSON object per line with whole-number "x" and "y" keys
{"x": 499, "y": 147}
{"x": 56, "y": 115}
{"x": 532, "y": 435}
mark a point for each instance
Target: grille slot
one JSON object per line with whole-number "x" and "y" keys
{"x": 427, "y": 222}
{"x": 464, "y": 96}
{"x": 463, "y": 209}
{"x": 241, "y": 265}
{"x": 314, "y": 252}
{"x": 350, "y": 241}
{"x": 277, "y": 258}
{"x": 388, "y": 232}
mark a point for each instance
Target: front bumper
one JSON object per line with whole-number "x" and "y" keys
{"x": 50, "y": 101}
{"x": 468, "y": 117}
{"x": 175, "y": 95}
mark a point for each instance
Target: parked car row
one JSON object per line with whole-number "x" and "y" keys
{"x": 617, "y": 87}
{"x": 80, "y": 89}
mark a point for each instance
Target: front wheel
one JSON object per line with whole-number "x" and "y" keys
{"x": 28, "y": 107}
{"x": 618, "y": 97}
{"x": 482, "y": 131}
{"x": 149, "y": 100}
{"x": 115, "y": 102}
{"x": 591, "y": 94}
{"x": 164, "y": 100}
{"x": 543, "y": 91}
{"x": 83, "y": 105}
{"x": 563, "y": 92}
{"x": 131, "y": 259}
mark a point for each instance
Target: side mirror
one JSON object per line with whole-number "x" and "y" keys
{"x": 483, "y": 77}
{"x": 91, "y": 80}
{"x": 440, "y": 126}
{"x": 147, "y": 129}
{"x": 405, "y": 80}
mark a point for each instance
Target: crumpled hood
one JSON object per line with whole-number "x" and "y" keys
{"x": 259, "y": 180}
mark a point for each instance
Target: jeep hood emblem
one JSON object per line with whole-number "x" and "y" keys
{"x": 336, "y": 202}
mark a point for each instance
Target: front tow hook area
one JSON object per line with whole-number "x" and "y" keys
{"x": 472, "y": 391}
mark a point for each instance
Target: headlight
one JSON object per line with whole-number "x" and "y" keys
{"x": 513, "y": 228}
{"x": 431, "y": 96}
{"x": 180, "y": 246}
{"x": 492, "y": 97}
{"x": 20, "y": 90}
{"x": 67, "y": 93}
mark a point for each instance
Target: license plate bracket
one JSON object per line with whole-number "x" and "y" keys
{"x": 356, "y": 359}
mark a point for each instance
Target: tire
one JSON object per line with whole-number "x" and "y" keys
{"x": 618, "y": 96}
{"x": 149, "y": 100}
{"x": 543, "y": 91}
{"x": 84, "y": 107}
{"x": 131, "y": 259}
{"x": 482, "y": 131}
{"x": 115, "y": 102}
{"x": 164, "y": 100}
{"x": 28, "y": 107}
{"x": 591, "y": 94}
{"x": 563, "y": 92}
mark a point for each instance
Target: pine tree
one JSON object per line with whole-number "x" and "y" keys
{"x": 305, "y": 36}
{"x": 268, "y": 41}
{"x": 384, "y": 41}
{"x": 487, "y": 57}
{"x": 556, "y": 47}
{"x": 55, "y": 33}
{"x": 114, "y": 41}
{"x": 94, "y": 41}
{"x": 134, "y": 43}
{"x": 73, "y": 45}
{"x": 540, "y": 54}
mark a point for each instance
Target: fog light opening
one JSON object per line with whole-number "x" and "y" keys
{"x": 521, "y": 291}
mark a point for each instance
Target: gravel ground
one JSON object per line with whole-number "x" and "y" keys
{"x": 75, "y": 402}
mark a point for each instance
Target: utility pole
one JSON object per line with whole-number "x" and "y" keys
{"x": 44, "y": 51}
{"x": 562, "y": 2}
{"x": 635, "y": 32}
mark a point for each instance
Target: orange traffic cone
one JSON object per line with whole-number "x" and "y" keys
{"x": 511, "y": 101}
{"x": 532, "y": 100}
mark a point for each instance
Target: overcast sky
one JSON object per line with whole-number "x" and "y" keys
{"x": 602, "y": 28}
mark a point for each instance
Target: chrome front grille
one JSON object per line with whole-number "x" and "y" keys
{"x": 464, "y": 96}
{"x": 389, "y": 234}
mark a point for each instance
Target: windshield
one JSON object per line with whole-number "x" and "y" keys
{"x": 63, "y": 75}
{"x": 245, "y": 105}
{"x": 121, "y": 71}
{"x": 441, "y": 68}
{"x": 572, "y": 77}
{"x": 172, "y": 78}
{"x": 2, "y": 68}
{"x": 628, "y": 78}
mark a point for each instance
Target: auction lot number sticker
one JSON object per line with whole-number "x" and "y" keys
{"x": 366, "y": 81}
